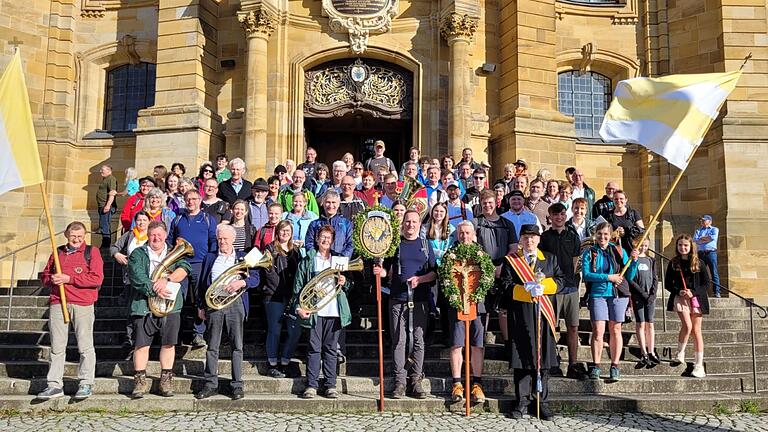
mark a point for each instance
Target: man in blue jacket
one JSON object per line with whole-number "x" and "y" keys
{"x": 342, "y": 243}
{"x": 233, "y": 315}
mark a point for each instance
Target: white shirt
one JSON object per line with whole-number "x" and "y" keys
{"x": 577, "y": 192}
{"x": 155, "y": 259}
{"x": 581, "y": 230}
{"x": 135, "y": 243}
{"x": 222, "y": 263}
{"x": 330, "y": 310}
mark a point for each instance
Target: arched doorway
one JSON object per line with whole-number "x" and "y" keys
{"x": 350, "y": 103}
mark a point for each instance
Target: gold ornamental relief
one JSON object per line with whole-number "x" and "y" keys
{"x": 385, "y": 87}
{"x": 329, "y": 88}
{"x": 360, "y": 19}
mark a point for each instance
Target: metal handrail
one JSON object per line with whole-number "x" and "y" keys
{"x": 762, "y": 313}
{"x": 14, "y": 252}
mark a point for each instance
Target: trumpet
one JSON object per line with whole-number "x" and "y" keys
{"x": 323, "y": 288}
{"x": 216, "y": 297}
{"x": 159, "y": 306}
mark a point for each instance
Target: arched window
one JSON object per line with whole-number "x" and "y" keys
{"x": 129, "y": 89}
{"x": 584, "y": 96}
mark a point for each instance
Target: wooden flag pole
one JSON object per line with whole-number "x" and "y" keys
{"x": 381, "y": 339}
{"x": 62, "y": 292}
{"x": 466, "y": 369}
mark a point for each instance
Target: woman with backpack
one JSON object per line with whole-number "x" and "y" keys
{"x": 608, "y": 294}
{"x": 688, "y": 281}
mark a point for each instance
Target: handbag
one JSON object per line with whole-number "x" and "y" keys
{"x": 694, "y": 300}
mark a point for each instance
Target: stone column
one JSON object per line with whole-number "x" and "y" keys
{"x": 458, "y": 29}
{"x": 258, "y": 25}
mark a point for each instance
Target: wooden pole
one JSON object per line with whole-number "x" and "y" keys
{"x": 62, "y": 292}
{"x": 466, "y": 369}
{"x": 381, "y": 340}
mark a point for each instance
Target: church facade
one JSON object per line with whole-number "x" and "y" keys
{"x": 139, "y": 83}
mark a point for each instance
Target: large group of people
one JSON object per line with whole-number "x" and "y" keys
{"x": 303, "y": 215}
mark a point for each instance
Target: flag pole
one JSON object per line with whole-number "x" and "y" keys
{"x": 55, "y": 254}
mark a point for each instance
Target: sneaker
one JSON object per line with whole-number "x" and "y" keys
{"x": 698, "y": 372}
{"x": 309, "y": 393}
{"x": 331, "y": 393}
{"x": 238, "y": 393}
{"x": 418, "y": 391}
{"x": 643, "y": 363}
{"x": 654, "y": 358}
{"x": 717, "y": 295}
{"x": 198, "y": 341}
{"x": 489, "y": 338}
{"x": 50, "y": 393}
{"x": 477, "y": 394}
{"x": 398, "y": 392}
{"x": 206, "y": 392}
{"x": 84, "y": 391}
{"x": 457, "y": 393}
{"x": 678, "y": 359}
{"x": 594, "y": 373}
{"x": 275, "y": 372}
{"x": 614, "y": 374}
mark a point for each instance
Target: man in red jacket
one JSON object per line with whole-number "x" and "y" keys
{"x": 82, "y": 272}
{"x": 135, "y": 203}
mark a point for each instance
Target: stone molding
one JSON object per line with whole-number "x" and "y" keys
{"x": 257, "y": 23}
{"x": 458, "y": 27}
{"x": 360, "y": 27}
{"x": 92, "y": 9}
{"x": 623, "y": 13}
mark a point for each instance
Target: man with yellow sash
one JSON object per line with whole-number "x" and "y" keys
{"x": 531, "y": 278}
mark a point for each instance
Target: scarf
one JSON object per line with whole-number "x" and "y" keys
{"x": 139, "y": 236}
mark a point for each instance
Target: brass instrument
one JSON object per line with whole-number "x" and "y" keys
{"x": 315, "y": 294}
{"x": 159, "y": 306}
{"x": 408, "y": 193}
{"x": 216, "y": 297}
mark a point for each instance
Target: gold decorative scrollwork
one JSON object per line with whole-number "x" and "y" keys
{"x": 379, "y": 89}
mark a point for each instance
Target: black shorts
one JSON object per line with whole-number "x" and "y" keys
{"x": 146, "y": 327}
{"x": 456, "y": 327}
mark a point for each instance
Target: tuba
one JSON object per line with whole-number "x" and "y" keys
{"x": 159, "y": 306}
{"x": 216, "y": 297}
{"x": 315, "y": 294}
{"x": 408, "y": 195}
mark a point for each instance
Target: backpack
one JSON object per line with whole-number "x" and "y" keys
{"x": 86, "y": 253}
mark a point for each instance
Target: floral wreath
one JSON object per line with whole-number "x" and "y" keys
{"x": 357, "y": 234}
{"x": 470, "y": 253}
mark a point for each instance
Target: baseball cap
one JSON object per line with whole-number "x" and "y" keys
{"x": 452, "y": 183}
{"x": 707, "y": 217}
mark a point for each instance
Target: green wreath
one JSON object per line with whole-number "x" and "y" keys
{"x": 466, "y": 252}
{"x": 357, "y": 234}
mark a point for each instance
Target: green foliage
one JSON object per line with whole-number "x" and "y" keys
{"x": 470, "y": 253}
{"x": 569, "y": 409}
{"x": 9, "y": 412}
{"x": 749, "y": 406}
{"x": 720, "y": 409}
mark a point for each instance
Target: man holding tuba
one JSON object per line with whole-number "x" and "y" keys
{"x": 233, "y": 314}
{"x": 141, "y": 266}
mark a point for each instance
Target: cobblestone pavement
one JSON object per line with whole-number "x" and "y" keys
{"x": 390, "y": 422}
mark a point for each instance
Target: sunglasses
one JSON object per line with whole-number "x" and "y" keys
{"x": 479, "y": 178}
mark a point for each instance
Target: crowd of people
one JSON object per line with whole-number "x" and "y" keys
{"x": 527, "y": 223}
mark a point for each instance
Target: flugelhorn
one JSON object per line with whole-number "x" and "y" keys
{"x": 216, "y": 297}
{"x": 323, "y": 288}
{"x": 408, "y": 195}
{"x": 159, "y": 306}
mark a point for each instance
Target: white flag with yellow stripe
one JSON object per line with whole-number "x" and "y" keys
{"x": 19, "y": 158}
{"x": 668, "y": 115}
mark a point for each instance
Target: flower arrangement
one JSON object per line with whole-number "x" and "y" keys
{"x": 468, "y": 253}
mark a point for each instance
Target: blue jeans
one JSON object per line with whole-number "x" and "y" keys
{"x": 190, "y": 285}
{"x": 275, "y": 321}
{"x": 710, "y": 259}
{"x": 105, "y": 222}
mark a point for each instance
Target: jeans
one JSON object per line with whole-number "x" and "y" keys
{"x": 233, "y": 316}
{"x": 399, "y": 332}
{"x": 323, "y": 339}
{"x": 710, "y": 259}
{"x": 105, "y": 222}
{"x": 191, "y": 285}
{"x": 275, "y": 321}
{"x": 82, "y": 318}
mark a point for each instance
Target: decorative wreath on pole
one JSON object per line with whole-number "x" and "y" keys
{"x": 465, "y": 253}
{"x": 376, "y": 233}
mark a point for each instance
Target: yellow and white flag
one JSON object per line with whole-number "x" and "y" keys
{"x": 668, "y": 115}
{"x": 19, "y": 158}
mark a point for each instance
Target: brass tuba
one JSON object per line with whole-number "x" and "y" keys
{"x": 411, "y": 187}
{"x": 159, "y": 306}
{"x": 315, "y": 294}
{"x": 216, "y": 297}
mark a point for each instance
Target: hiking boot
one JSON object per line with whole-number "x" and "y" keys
{"x": 477, "y": 394}
{"x": 698, "y": 371}
{"x": 614, "y": 374}
{"x": 457, "y": 393}
{"x": 309, "y": 393}
{"x": 50, "y": 393}
{"x": 594, "y": 373}
{"x": 140, "y": 385}
{"x": 418, "y": 391}
{"x": 166, "y": 383}
{"x": 84, "y": 391}
{"x": 398, "y": 392}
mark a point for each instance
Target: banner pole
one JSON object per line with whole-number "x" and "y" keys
{"x": 381, "y": 341}
{"x": 55, "y": 254}
{"x": 466, "y": 369}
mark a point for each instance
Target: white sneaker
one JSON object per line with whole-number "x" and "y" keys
{"x": 698, "y": 372}
{"x": 679, "y": 358}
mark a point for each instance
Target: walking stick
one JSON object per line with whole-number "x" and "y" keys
{"x": 380, "y": 262}
{"x": 466, "y": 368}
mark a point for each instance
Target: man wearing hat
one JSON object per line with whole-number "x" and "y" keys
{"x": 531, "y": 278}
{"x": 458, "y": 210}
{"x": 257, "y": 205}
{"x": 521, "y": 168}
{"x": 706, "y": 239}
{"x": 379, "y": 160}
{"x": 518, "y": 214}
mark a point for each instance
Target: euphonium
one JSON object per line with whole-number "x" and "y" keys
{"x": 216, "y": 297}
{"x": 315, "y": 294}
{"x": 159, "y": 306}
{"x": 411, "y": 187}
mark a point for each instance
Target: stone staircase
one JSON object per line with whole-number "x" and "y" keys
{"x": 664, "y": 388}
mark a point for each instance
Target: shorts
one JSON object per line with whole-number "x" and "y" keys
{"x": 146, "y": 327}
{"x": 476, "y": 330}
{"x": 608, "y": 308}
{"x": 644, "y": 310}
{"x": 568, "y": 308}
